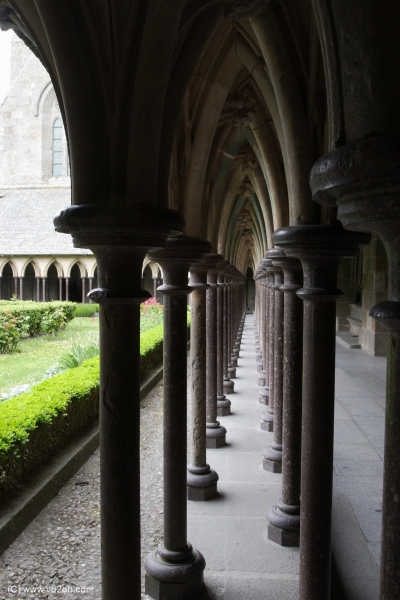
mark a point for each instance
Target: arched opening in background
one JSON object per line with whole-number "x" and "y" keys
{"x": 52, "y": 283}
{"x": 29, "y": 283}
{"x": 75, "y": 284}
{"x": 7, "y": 285}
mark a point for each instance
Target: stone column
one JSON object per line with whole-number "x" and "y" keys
{"x": 155, "y": 283}
{"x": 284, "y": 517}
{"x": 263, "y": 394}
{"x": 175, "y": 569}
{"x": 201, "y": 480}
{"x": 37, "y": 289}
{"x": 223, "y": 403}
{"x": 83, "y": 290}
{"x": 60, "y": 280}
{"x": 67, "y": 289}
{"x": 363, "y": 179}
{"x": 119, "y": 237}
{"x": 272, "y": 460}
{"x": 90, "y": 279}
{"x": 21, "y": 288}
{"x": 320, "y": 249}
{"x": 231, "y": 371}
{"x": 16, "y": 286}
{"x": 228, "y": 385}
{"x": 267, "y": 418}
{"x": 215, "y": 433}
{"x": 44, "y": 288}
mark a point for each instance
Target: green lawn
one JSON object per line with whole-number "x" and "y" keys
{"x": 41, "y": 353}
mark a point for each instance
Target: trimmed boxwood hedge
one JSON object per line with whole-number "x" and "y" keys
{"x": 36, "y": 423}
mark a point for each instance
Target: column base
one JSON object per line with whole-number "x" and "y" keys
{"x": 231, "y": 374}
{"x": 174, "y": 580}
{"x": 263, "y": 396}
{"x": 234, "y": 360}
{"x": 223, "y": 406}
{"x": 201, "y": 483}
{"x": 267, "y": 421}
{"x": 284, "y": 525}
{"x": 272, "y": 461}
{"x": 228, "y": 386}
{"x": 215, "y": 435}
{"x": 260, "y": 366}
{"x": 236, "y": 352}
{"x": 261, "y": 379}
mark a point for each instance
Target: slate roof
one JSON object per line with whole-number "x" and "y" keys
{"x": 26, "y": 222}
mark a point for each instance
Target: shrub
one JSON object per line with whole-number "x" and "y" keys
{"x": 10, "y": 334}
{"x": 31, "y": 318}
{"x": 151, "y": 314}
{"x": 86, "y": 310}
{"x": 36, "y": 423}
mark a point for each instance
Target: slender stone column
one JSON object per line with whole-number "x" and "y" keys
{"x": 228, "y": 385}
{"x": 230, "y": 291}
{"x": 261, "y": 377}
{"x": 263, "y": 394}
{"x": 155, "y": 283}
{"x": 201, "y": 480}
{"x": 67, "y": 289}
{"x": 37, "y": 289}
{"x": 16, "y": 286}
{"x": 223, "y": 403}
{"x": 60, "y": 280}
{"x": 90, "y": 289}
{"x": 175, "y": 569}
{"x": 267, "y": 418}
{"x": 320, "y": 249}
{"x": 120, "y": 237}
{"x": 215, "y": 433}
{"x": 284, "y": 518}
{"x": 44, "y": 288}
{"x": 83, "y": 290}
{"x": 272, "y": 460}
{"x": 21, "y": 288}
{"x": 363, "y": 178}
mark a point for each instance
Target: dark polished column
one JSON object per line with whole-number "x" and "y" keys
{"x": 201, "y": 480}
{"x": 267, "y": 418}
{"x": 223, "y": 403}
{"x": 67, "y": 289}
{"x": 215, "y": 433}
{"x": 37, "y": 289}
{"x": 120, "y": 237}
{"x": 231, "y": 317}
{"x": 261, "y": 377}
{"x": 60, "y": 280}
{"x": 363, "y": 179}
{"x": 83, "y": 290}
{"x": 284, "y": 517}
{"x": 320, "y": 249}
{"x": 272, "y": 456}
{"x": 175, "y": 569}
{"x": 263, "y": 394}
{"x": 228, "y": 385}
{"x": 21, "y": 288}
{"x": 44, "y": 288}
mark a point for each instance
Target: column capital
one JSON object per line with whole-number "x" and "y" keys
{"x": 176, "y": 259}
{"x": 320, "y": 249}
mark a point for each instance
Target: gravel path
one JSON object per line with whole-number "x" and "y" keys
{"x": 60, "y": 549}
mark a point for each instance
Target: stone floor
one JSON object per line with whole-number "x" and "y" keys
{"x": 62, "y": 547}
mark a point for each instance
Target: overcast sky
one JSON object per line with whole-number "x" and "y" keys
{"x": 5, "y": 46}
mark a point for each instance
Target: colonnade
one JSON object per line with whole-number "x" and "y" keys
{"x": 296, "y": 293}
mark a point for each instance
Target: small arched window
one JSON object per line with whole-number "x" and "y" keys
{"x": 58, "y": 148}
